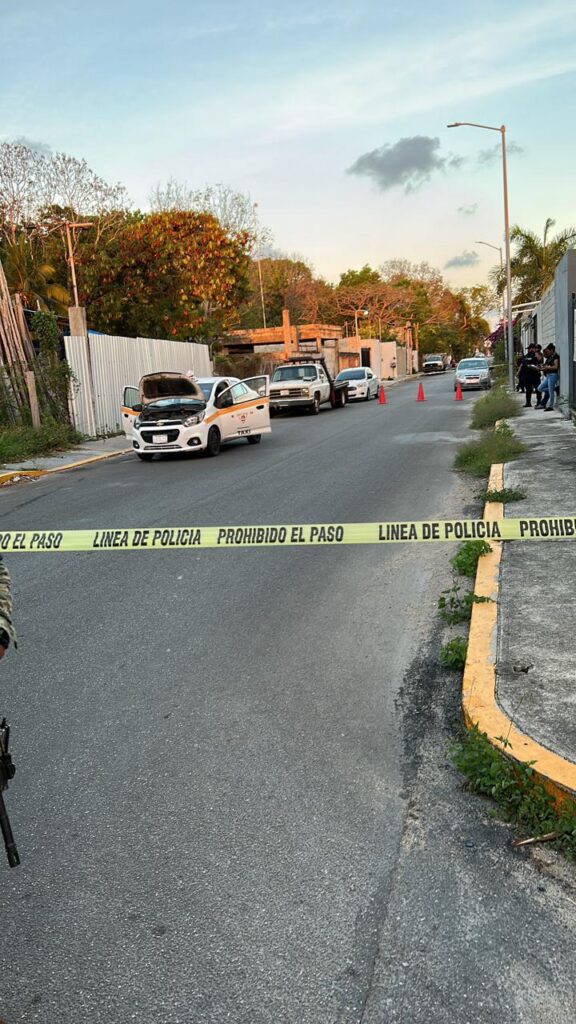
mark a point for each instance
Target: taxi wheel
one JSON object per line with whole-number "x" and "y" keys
{"x": 254, "y": 438}
{"x": 213, "y": 443}
{"x": 145, "y": 456}
{"x": 368, "y": 395}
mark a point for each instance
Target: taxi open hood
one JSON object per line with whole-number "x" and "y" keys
{"x": 169, "y": 385}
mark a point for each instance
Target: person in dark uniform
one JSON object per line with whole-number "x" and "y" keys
{"x": 529, "y": 375}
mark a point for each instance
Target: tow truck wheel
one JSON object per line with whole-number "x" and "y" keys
{"x": 213, "y": 443}
{"x": 315, "y": 407}
{"x": 254, "y": 438}
{"x": 145, "y": 456}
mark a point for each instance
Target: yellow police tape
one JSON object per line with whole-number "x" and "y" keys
{"x": 316, "y": 535}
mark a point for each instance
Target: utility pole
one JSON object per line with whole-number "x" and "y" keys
{"x": 73, "y": 224}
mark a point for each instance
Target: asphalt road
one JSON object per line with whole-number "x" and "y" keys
{"x": 233, "y": 800}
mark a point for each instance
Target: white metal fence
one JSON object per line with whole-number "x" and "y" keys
{"x": 103, "y": 365}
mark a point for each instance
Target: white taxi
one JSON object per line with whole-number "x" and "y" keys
{"x": 170, "y": 412}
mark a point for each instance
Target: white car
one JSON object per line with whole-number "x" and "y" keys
{"x": 169, "y": 412}
{"x": 213, "y": 386}
{"x": 473, "y": 373}
{"x": 362, "y": 382}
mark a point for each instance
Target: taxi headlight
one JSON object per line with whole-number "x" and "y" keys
{"x": 137, "y": 423}
{"x": 191, "y": 421}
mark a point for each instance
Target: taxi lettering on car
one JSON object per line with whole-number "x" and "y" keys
{"x": 175, "y": 412}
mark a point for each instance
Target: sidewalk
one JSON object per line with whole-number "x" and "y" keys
{"x": 536, "y": 664}
{"x": 519, "y": 683}
{"x": 89, "y": 451}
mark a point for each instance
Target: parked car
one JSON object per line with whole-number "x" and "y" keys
{"x": 361, "y": 382}
{"x": 434, "y": 364}
{"x": 169, "y": 412}
{"x": 473, "y": 374}
{"x": 306, "y": 383}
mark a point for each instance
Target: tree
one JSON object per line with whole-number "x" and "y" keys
{"x": 366, "y": 275}
{"x": 287, "y": 283}
{"x": 37, "y": 192}
{"x": 236, "y": 211}
{"x": 28, "y": 274}
{"x": 379, "y": 306}
{"x": 39, "y": 195}
{"x": 176, "y": 274}
{"x": 534, "y": 261}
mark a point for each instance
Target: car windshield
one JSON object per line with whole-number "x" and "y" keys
{"x": 170, "y": 403}
{"x": 351, "y": 375}
{"x": 294, "y": 373}
{"x": 473, "y": 364}
{"x": 433, "y": 359}
{"x": 206, "y": 388}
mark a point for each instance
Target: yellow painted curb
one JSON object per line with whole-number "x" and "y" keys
{"x": 479, "y": 702}
{"x": 6, "y": 477}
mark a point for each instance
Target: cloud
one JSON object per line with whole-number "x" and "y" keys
{"x": 38, "y": 147}
{"x": 405, "y": 164}
{"x": 468, "y": 211}
{"x": 489, "y": 156}
{"x": 465, "y": 259}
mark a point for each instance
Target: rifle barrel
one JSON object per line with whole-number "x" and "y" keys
{"x": 6, "y": 829}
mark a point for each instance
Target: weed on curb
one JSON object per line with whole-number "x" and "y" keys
{"x": 465, "y": 561}
{"x": 455, "y": 607}
{"x": 453, "y": 654}
{"x": 499, "y": 445}
{"x": 516, "y": 790}
{"x": 507, "y": 495}
{"x": 495, "y": 405}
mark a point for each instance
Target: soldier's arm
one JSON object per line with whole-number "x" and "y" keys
{"x": 6, "y": 626}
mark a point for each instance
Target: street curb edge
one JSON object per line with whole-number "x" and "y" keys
{"x": 479, "y": 697}
{"x": 5, "y": 478}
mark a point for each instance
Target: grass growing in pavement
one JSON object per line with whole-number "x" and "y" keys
{"x": 453, "y": 654}
{"x": 465, "y": 561}
{"x": 516, "y": 790}
{"x": 495, "y": 405}
{"x": 499, "y": 445}
{"x": 455, "y": 606}
{"x": 507, "y": 495}
{"x": 19, "y": 443}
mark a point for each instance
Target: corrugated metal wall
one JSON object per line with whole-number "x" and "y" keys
{"x": 111, "y": 363}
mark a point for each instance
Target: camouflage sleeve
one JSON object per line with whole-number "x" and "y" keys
{"x": 6, "y": 602}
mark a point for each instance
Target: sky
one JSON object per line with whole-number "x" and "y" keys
{"x": 331, "y": 115}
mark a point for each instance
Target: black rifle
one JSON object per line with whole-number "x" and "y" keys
{"x": 7, "y": 770}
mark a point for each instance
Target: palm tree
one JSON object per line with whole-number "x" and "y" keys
{"x": 35, "y": 281}
{"x": 534, "y": 261}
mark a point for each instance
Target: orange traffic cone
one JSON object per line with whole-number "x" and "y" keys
{"x": 458, "y": 394}
{"x": 421, "y": 396}
{"x": 381, "y": 396}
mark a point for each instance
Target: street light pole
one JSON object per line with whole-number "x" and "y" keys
{"x": 510, "y": 332}
{"x": 255, "y": 207}
{"x": 498, "y": 249}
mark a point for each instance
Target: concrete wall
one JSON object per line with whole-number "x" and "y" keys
{"x": 547, "y": 319}
{"x": 564, "y": 291}
{"x": 555, "y": 323}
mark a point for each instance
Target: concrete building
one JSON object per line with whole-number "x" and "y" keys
{"x": 388, "y": 359}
